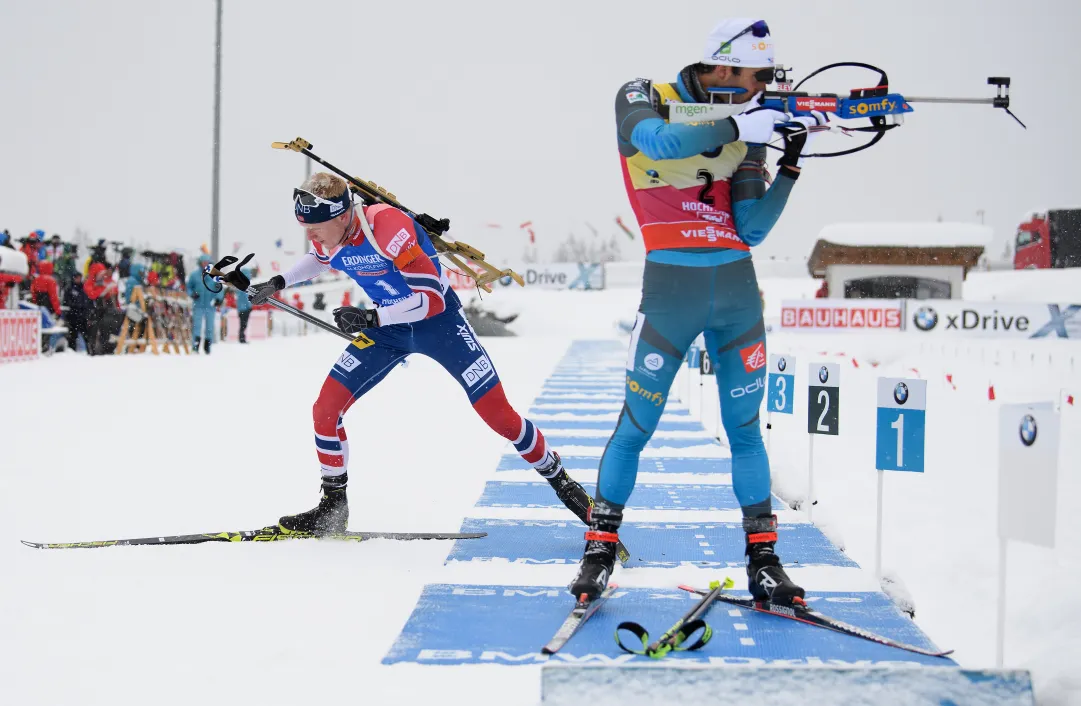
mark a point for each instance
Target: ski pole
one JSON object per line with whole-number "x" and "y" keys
{"x": 219, "y": 277}
{"x": 685, "y": 627}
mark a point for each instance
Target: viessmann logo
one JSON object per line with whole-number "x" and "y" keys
{"x": 709, "y": 233}
{"x": 809, "y": 103}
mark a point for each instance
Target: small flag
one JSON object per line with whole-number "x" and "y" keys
{"x": 532, "y": 237}
{"x": 949, "y": 379}
{"x": 624, "y": 228}
{"x": 526, "y": 224}
{"x": 990, "y": 392}
{"x": 278, "y": 243}
{"x": 855, "y": 364}
{"x": 275, "y": 266}
{"x": 1069, "y": 400}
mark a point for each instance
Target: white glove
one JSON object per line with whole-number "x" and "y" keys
{"x": 756, "y": 125}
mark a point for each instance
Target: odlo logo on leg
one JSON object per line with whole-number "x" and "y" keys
{"x": 758, "y": 384}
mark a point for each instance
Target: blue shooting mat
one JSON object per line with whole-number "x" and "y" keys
{"x": 646, "y": 496}
{"x": 657, "y": 442}
{"x": 563, "y": 406}
{"x": 485, "y": 624}
{"x": 659, "y": 464}
{"x": 715, "y": 545}
{"x": 610, "y": 425}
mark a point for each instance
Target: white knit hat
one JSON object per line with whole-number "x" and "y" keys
{"x": 746, "y": 50}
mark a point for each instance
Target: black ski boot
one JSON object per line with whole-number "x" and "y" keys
{"x": 599, "y": 557}
{"x": 569, "y": 491}
{"x": 206, "y": 346}
{"x": 195, "y": 348}
{"x": 330, "y": 516}
{"x": 766, "y": 580}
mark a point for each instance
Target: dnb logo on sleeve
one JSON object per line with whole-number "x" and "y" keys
{"x": 485, "y": 624}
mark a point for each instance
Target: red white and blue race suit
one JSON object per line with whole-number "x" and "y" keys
{"x": 394, "y": 261}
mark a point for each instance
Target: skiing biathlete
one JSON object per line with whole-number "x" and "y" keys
{"x": 703, "y": 198}
{"x": 391, "y": 257}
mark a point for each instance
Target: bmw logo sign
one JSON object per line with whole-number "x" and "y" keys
{"x": 926, "y": 318}
{"x": 823, "y": 374}
{"x": 781, "y": 364}
{"x": 900, "y": 393}
{"x": 1028, "y": 430}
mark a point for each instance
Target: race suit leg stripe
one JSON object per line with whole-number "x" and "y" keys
{"x": 449, "y": 340}
{"x": 674, "y": 310}
{"x": 735, "y": 339}
{"x": 358, "y": 369}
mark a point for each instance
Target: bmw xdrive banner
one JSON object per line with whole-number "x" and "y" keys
{"x": 963, "y": 319}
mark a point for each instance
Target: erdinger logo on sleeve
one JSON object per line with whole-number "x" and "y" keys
{"x": 394, "y": 247}
{"x": 753, "y": 357}
{"x": 477, "y": 371}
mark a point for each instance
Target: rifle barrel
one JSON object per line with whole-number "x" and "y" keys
{"x": 973, "y": 101}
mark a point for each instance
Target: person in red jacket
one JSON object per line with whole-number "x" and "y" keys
{"x": 31, "y": 248}
{"x": 102, "y": 292}
{"x": 44, "y": 290}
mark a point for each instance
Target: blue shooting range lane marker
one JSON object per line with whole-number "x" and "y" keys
{"x": 714, "y": 545}
{"x": 646, "y": 496}
{"x": 587, "y": 405}
{"x": 485, "y": 624}
{"x": 659, "y": 464}
{"x": 557, "y": 441}
{"x": 609, "y": 425}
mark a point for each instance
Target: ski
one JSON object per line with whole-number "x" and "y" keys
{"x": 272, "y": 533}
{"x": 810, "y": 616}
{"x": 581, "y": 612}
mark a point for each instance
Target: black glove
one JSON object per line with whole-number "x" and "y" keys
{"x": 259, "y": 293}
{"x": 195, "y": 296}
{"x": 796, "y": 140}
{"x": 351, "y": 319}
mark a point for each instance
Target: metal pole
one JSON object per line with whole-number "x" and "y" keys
{"x": 217, "y": 135}
{"x": 811, "y": 478}
{"x": 1000, "y": 633}
{"x": 303, "y": 232}
{"x": 878, "y": 529}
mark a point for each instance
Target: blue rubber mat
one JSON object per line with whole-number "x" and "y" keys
{"x": 615, "y": 402}
{"x": 457, "y": 624}
{"x": 563, "y": 406}
{"x": 717, "y": 545}
{"x": 666, "y": 464}
{"x": 646, "y": 496}
{"x": 657, "y": 442}
{"x": 609, "y": 426}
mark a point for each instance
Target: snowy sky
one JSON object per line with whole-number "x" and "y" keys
{"x": 495, "y": 111}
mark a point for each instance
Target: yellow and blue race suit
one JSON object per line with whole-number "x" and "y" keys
{"x": 702, "y": 199}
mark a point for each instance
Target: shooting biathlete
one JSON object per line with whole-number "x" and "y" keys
{"x": 392, "y": 258}
{"x": 703, "y": 198}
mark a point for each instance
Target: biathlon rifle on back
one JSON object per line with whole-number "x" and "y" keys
{"x": 455, "y": 251}
{"x": 884, "y": 109}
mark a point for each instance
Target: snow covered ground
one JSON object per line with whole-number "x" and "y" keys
{"x": 124, "y": 447}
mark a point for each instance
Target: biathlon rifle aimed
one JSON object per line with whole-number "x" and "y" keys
{"x": 884, "y": 109}
{"x": 372, "y": 193}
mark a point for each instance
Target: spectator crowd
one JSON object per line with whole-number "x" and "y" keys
{"x": 88, "y": 295}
